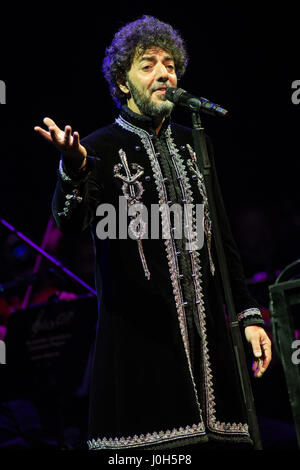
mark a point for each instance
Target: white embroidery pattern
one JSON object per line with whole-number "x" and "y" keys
{"x": 213, "y": 424}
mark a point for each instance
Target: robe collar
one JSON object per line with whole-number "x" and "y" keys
{"x": 143, "y": 122}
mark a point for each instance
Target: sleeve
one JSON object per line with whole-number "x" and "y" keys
{"x": 247, "y": 309}
{"x": 77, "y": 196}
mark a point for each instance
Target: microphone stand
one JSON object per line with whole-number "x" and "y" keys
{"x": 37, "y": 263}
{"x": 46, "y": 255}
{"x": 238, "y": 346}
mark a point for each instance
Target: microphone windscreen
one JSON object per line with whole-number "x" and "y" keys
{"x": 173, "y": 94}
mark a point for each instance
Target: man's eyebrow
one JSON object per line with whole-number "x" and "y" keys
{"x": 152, "y": 58}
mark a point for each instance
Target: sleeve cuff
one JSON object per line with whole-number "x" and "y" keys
{"x": 75, "y": 179}
{"x": 72, "y": 190}
{"x": 250, "y": 316}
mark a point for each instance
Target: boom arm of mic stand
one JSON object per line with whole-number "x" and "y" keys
{"x": 205, "y": 168}
{"x": 46, "y": 255}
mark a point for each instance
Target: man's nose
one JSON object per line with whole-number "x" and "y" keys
{"x": 162, "y": 73}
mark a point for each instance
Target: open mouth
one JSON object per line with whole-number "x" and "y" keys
{"x": 161, "y": 89}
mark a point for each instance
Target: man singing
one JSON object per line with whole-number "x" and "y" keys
{"x": 164, "y": 374}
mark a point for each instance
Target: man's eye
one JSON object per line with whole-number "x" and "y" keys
{"x": 146, "y": 67}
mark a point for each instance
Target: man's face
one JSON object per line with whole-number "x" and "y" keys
{"x": 151, "y": 73}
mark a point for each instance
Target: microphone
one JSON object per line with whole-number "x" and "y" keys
{"x": 183, "y": 98}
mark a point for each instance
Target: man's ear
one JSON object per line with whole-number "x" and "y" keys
{"x": 123, "y": 87}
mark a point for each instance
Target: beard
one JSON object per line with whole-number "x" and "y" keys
{"x": 148, "y": 107}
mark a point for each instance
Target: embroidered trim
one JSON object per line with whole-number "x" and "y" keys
{"x": 213, "y": 424}
{"x": 133, "y": 190}
{"x": 75, "y": 181}
{"x": 192, "y": 163}
{"x": 250, "y": 312}
{"x": 168, "y": 240}
{"x": 71, "y": 199}
{"x": 62, "y": 173}
{"x": 148, "y": 439}
{"x": 185, "y": 190}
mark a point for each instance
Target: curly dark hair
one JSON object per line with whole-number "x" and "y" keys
{"x": 139, "y": 35}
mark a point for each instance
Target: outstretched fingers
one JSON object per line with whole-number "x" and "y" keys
{"x": 49, "y": 122}
{"x": 67, "y": 136}
{"x": 76, "y": 140}
{"x": 63, "y": 140}
{"x": 43, "y": 133}
{"x": 52, "y": 134}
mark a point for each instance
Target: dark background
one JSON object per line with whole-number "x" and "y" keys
{"x": 243, "y": 57}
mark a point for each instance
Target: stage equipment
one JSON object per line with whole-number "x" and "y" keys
{"x": 285, "y": 320}
{"x": 49, "y": 350}
{"x": 46, "y": 255}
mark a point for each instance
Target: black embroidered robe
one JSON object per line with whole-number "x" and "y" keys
{"x": 164, "y": 373}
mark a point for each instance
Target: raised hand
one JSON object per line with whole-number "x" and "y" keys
{"x": 68, "y": 144}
